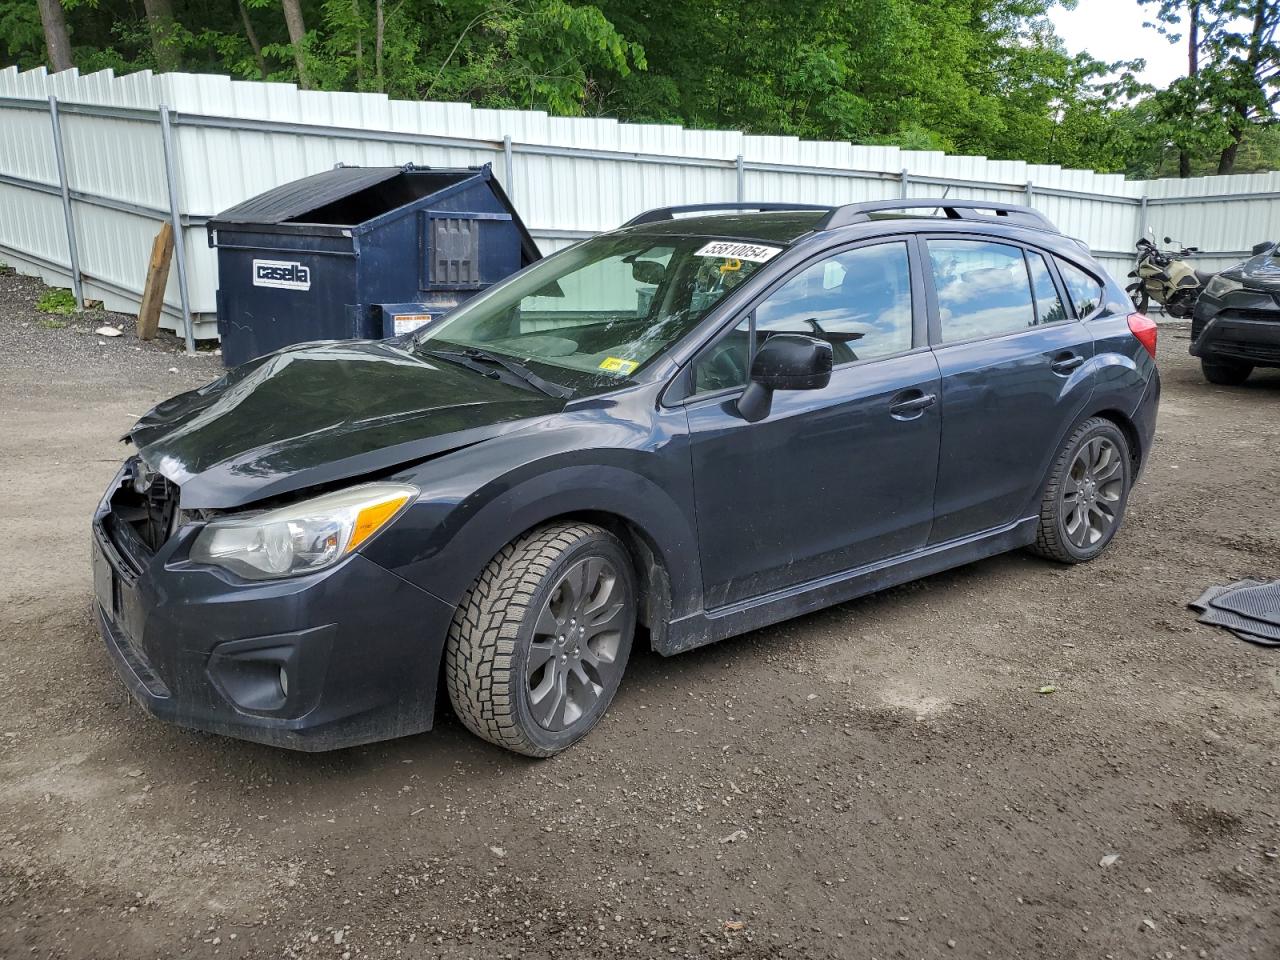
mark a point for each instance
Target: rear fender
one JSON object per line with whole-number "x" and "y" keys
{"x": 1119, "y": 372}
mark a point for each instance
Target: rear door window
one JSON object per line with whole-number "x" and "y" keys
{"x": 1084, "y": 289}
{"x": 983, "y": 289}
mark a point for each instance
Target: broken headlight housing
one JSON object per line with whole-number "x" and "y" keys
{"x": 302, "y": 537}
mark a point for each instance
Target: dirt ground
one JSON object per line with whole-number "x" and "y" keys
{"x": 877, "y": 780}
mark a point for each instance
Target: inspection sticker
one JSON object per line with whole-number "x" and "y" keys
{"x": 618, "y": 365}
{"x": 755, "y": 252}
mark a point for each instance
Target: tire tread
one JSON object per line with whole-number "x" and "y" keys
{"x": 483, "y": 634}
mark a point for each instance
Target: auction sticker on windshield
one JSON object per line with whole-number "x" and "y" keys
{"x": 755, "y": 252}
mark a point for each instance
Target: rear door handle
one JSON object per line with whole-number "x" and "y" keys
{"x": 909, "y": 405}
{"x": 1066, "y": 362}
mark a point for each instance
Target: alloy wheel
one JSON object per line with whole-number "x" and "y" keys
{"x": 1093, "y": 492}
{"x": 573, "y": 656}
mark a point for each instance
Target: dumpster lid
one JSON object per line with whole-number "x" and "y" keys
{"x": 339, "y": 200}
{"x": 292, "y": 200}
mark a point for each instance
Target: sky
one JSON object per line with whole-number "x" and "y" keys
{"x": 1112, "y": 30}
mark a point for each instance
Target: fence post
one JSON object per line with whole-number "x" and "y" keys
{"x": 906, "y": 180}
{"x": 1142, "y": 215}
{"x": 741, "y": 172}
{"x": 1031, "y": 193}
{"x": 508, "y": 167}
{"x": 73, "y": 251}
{"x": 175, "y": 216}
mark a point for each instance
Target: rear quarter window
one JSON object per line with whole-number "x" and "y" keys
{"x": 1084, "y": 289}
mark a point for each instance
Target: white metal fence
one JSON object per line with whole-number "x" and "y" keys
{"x": 89, "y": 166}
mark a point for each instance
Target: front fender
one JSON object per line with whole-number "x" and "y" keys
{"x": 475, "y": 502}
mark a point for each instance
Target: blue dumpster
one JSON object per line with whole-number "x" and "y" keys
{"x": 360, "y": 252}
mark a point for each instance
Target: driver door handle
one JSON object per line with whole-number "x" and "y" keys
{"x": 1066, "y": 362}
{"x": 910, "y": 404}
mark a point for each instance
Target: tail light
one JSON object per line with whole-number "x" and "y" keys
{"x": 1144, "y": 328}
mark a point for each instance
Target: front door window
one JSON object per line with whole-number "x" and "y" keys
{"x": 858, "y": 300}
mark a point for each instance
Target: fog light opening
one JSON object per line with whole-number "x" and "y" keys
{"x": 284, "y": 683}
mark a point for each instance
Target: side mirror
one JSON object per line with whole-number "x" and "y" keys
{"x": 1263, "y": 247}
{"x": 1168, "y": 239}
{"x": 648, "y": 271}
{"x": 786, "y": 361}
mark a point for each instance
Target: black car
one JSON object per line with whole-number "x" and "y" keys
{"x": 682, "y": 430}
{"x": 1236, "y": 324}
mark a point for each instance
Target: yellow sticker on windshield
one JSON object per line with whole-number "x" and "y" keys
{"x": 618, "y": 365}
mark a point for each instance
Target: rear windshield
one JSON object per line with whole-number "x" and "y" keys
{"x": 606, "y": 306}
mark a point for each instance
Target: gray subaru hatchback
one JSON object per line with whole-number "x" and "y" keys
{"x": 638, "y": 438}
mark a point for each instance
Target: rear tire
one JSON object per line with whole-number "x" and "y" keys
{"x": 1228, "y": 373}
{"x": 1084, "y": 499}
{"x": 1140, "y": 297}
{"x": 537, "y": 647}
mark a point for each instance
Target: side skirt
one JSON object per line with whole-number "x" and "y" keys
{"x": 709, "y": 626}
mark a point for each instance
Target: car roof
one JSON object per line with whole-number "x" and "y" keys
{"x": 788, "y": 226}
{"x": 783, "y": 226}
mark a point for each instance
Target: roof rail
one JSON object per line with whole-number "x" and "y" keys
{"x": 954, "y": 209}
{"x": 659, "y": 214}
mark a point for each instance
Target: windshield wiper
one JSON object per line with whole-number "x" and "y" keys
{"x": 470, "y": 355}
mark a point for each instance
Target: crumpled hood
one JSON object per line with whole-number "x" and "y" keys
{"x": 317, "y": 413}
{"x": 1262, "y": 270}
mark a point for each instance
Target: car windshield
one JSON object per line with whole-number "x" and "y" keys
{"x": 603, "y": 307}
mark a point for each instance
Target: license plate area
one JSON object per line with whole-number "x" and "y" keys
{"x": 114, "y": 583}
{"x": 117, "y": 595}
{"x": 106, "y": 583}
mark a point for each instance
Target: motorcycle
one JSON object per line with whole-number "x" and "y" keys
{"x": 1165, "y": 277}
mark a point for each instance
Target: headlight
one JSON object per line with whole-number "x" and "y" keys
{"x": 1221, "y": 285}
{"x": 302, "y": 537}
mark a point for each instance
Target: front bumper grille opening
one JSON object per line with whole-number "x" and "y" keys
{"x": 144, "y": 513}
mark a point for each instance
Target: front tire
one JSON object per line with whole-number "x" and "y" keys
{"x": 1084, "y": 500}
{"x": 537, "y": 647}
{"x": 1225, "y": 372}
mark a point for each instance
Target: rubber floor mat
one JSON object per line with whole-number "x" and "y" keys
{"x": 1248, "y": 608}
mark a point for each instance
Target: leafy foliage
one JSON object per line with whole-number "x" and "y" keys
{"x": 56, "y": 300}
{"x": 974, "y": 76}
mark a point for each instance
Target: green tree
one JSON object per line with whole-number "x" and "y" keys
{"x": 1244, "y": 81}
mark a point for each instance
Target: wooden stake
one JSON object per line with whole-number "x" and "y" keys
{"x": 157, "y": 278}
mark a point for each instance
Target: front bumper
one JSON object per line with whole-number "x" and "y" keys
{"x": 345, "y": 656}
{"x": 1243, "y": 326}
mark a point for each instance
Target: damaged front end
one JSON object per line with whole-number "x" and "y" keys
{"x": 228, "y": 550}
{"x": 310, "y": 417}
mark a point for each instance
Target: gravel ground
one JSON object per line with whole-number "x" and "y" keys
{"x": 881, "y": 779}
{"x": 62, "y": 346}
